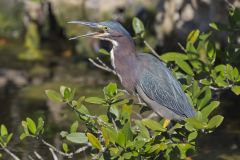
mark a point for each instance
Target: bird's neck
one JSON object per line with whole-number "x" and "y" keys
{"x": 124, "y": 59}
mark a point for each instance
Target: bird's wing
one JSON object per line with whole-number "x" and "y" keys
{"x": 161, "y": 86}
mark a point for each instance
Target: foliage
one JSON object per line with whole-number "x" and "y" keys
{"x": 118, "y": 134}
{"x": 32, "y": 44}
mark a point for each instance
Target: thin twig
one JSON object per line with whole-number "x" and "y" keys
{"x": 30, "y": 157}
{"x": 101, "y": 66}
{"x": 220, "y": 89}
{"x": 152, "y": 50}
{"x": 9, "y": 152}
{"x": 181, "y": 46}
{"x": 38, "y": 155}
{"x": 53, "y": 154}
{"x": 69, "y": 155}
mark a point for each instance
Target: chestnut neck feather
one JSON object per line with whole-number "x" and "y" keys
{"x": 124, "y": 61}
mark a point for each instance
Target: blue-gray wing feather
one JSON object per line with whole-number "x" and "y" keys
{"x": 160, "y": 85}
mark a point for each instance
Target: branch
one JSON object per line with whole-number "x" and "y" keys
{"x": 220, "y": 89}
{"x": 38, "y": 155}
{"x": 102, "y": 65}
{"x": 152, "y": 50}
{"x": 53, "y": 154}
{"x": 69, "y": 155}
{"x": 9, "y": 152}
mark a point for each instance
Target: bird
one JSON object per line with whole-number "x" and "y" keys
{"x": 141, "y": 73}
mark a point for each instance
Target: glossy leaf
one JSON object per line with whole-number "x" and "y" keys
{"x": 138, "y": 26}
{"x": 209, "y": 108}
{"x": 79, "y": 138}
{"x": 192, "y": 136}
{"x": 236, "y": 89}
{"x": 185, "y": 67}
{"x": 31, "y": 125}
{"x": 105, "y": 136}
{"x": 193, "y": 36}
{"x": 94, "y": 141}
{"x": 153, "y": 125}
{"x": 173, "y": 56}
{"x": 94, "y": 100}
{"x": 215, "y": 121}
{"x": 54, "y": 96}
{"x": 4, "y": 130}
{"x": 65, "y": 147}
{"x": 74, "y": 127}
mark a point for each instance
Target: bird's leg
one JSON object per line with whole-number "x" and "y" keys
{"x": 166, "y": 123}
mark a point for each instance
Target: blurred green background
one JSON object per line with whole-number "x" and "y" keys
{"x": 35, "y": 54}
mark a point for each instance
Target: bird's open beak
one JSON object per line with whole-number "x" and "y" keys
{"x": 98, "y": 34}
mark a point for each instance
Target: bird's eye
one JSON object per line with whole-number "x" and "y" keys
{"x": 105, "y": 28}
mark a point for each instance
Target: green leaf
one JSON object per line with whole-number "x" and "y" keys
{"x": 25, "y": 127}
{"x": 103, "y": 51}
{"x": 31, "y": 125}
{"x": 153, "y": 125}
{"x": 215, "y": 121}
{"x": 142, "y": 130}
{"x": 205, "y": 100}
{"x": 22, "y": 136}
{"x": 63, "y": 134}
{"x": 54, "y": 96}
{"x": 183, "y": 148}
{"x": 209, "y": 108}
{"x": 138, "y": 26}
{"x": 173, "y": 56}
{"x": 40, "y": 125}
{"x": 94, "y": 141}
{"x": 74, "y": 127}
{"x": 196, "y": 123}
{"x": 214, "y": 26}
{"x": 4, "y": 130}
{"x": 105, "y": 136}
{"x": 192, "y": 136}
{"x": 193, "y": 36}
{"x": 94, "y": 100}
{"x": 9, "y": 137}
{"x": 110, "y": 89}
{"x": 77, "y": 137}
{"x": 185, "y": 67}
{"x": 236, "y": 89}
{"x": 65, "y": 147}
{"x": 121, "y": 139}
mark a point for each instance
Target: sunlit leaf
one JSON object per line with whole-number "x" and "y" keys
{"x": 215, "y": 121}
{"x": 192, "y": 136}
{"x": 173, "y": 56}
{"x": 193, "y": 35}
{"x": 65, "y": 147}
{"x": 209, "y": 108}
{"x": 185, "y": 67}
{"x": 138, "y": 26}
{"x": 31, "y": 125}
{"x": 4, "y": 130}
{"x": 94, "y": 141}
{"x": 236, "y": 89}
{"x": 77, "y": 137}
{"x": 54, "y": 96}
{"x": 94, "y": 100}
{"x": 153, "y": 125}
{"x": 74, "y": 127}
{"x": 105, "y": 136}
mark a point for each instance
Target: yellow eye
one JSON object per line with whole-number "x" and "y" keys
{"x": 105, "y": 28}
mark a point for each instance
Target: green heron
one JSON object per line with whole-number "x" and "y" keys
{"x": 142, "y": 73}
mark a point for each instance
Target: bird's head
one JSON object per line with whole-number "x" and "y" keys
{"x": 107, "y": 30}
